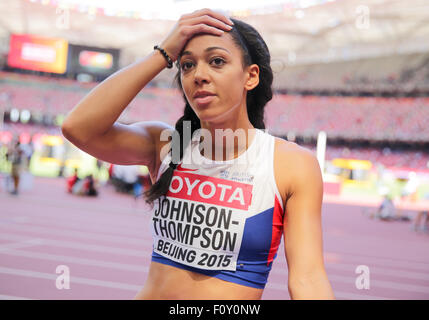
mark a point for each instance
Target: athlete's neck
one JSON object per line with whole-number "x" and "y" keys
{"x": 228, "y": 141}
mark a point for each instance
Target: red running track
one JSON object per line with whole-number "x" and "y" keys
{"x": 105, "y": 242}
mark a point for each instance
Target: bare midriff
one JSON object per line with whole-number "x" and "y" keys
{"x": 166, "y": 282}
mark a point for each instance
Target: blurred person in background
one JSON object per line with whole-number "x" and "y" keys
{"x": 124, "y": 178}
{"x": 71, "y": 181}
{"x": 28, "y": 149}
{"x": 409, "y": 191}
{"x": 387, "y": 210}
{"x": 85, "y": 187}
{"x": 15, "y": 155}
{"x": 225, "y": 76}
{"x": 26, "y": 177}
{"x": 421, "y": 222}
{"x": 89, "y": 186}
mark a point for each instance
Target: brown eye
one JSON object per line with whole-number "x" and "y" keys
{"x": 218, "y": 62}
{"x": 186, "y": 65}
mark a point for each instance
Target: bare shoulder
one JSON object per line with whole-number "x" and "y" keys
{"x": 296, "y": 154}
{"x": 293, "y": 164}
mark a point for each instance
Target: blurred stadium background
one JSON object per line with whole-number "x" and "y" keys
{"x": 351, "y": 83}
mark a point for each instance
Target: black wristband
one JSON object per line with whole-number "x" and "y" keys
{"x": 166, "y": 56}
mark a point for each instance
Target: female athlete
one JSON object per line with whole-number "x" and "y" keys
{"x": 217, "y": 221}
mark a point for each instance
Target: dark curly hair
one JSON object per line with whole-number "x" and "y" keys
{"x": 255, "y": 51}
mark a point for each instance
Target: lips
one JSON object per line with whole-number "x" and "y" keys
{"x": 203, "y": 97}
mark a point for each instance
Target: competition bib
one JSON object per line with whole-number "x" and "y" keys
{"x": 200, "y": 222}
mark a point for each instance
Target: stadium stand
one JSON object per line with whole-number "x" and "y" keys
{"x": 371, "y": 118}
{"x": 367, "y": 118}
{"x": 387, "y": 74}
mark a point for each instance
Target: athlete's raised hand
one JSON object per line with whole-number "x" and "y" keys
{"x": 201, "y": 21}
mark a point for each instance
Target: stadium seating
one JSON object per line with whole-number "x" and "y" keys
{"x": 372, "y": 118}
{"x": 395, "y": 73}
{"x": 368, "y": 118}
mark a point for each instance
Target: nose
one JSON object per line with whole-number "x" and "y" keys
{"x": 201, "y": 74}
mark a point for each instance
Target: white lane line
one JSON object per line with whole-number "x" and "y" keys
{"x": 7, "y": 297}
{"x": 92, "y": 209}
{"x": 387, "y": 271}
{"x": 76, "y": 234}
{"x": 374, "y": 271}
{"x": 373, "y": 284}
{"x": 397, "y": 265}
{"x": 384, "y": 284}
{"x": 73, "y": 279}
{"x": 361, "y": 257}
{"x": 88, "y": 262}
{"x": 89, "y": 227}
{"x": 21, "y": 244}
{"x": 401, "y": 286}
{"x": 365, "y": 260}
{"x": 128, "y": 223}
{"x": 337, "y": 294}
{"x": 85, "y": 247}
{"x": 340, "y": 295}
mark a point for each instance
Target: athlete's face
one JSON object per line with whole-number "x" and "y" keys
{"x": 213, "y": 77}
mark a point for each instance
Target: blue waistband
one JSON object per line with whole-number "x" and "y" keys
{"x": 247, "y": 274}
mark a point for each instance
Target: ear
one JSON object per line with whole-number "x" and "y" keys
{"x": 252, "y": 77}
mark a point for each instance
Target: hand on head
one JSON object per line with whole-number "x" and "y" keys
{"x": 201, "y": 21}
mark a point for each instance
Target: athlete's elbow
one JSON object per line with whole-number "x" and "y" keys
{"x": 310, "y": 288}
{"x": 66, "y": 130}
{"x": 70, "y": 132}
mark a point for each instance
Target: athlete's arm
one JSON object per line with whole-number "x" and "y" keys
{"x": 303, "y": 227}
{"x": 92, "y": 126}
